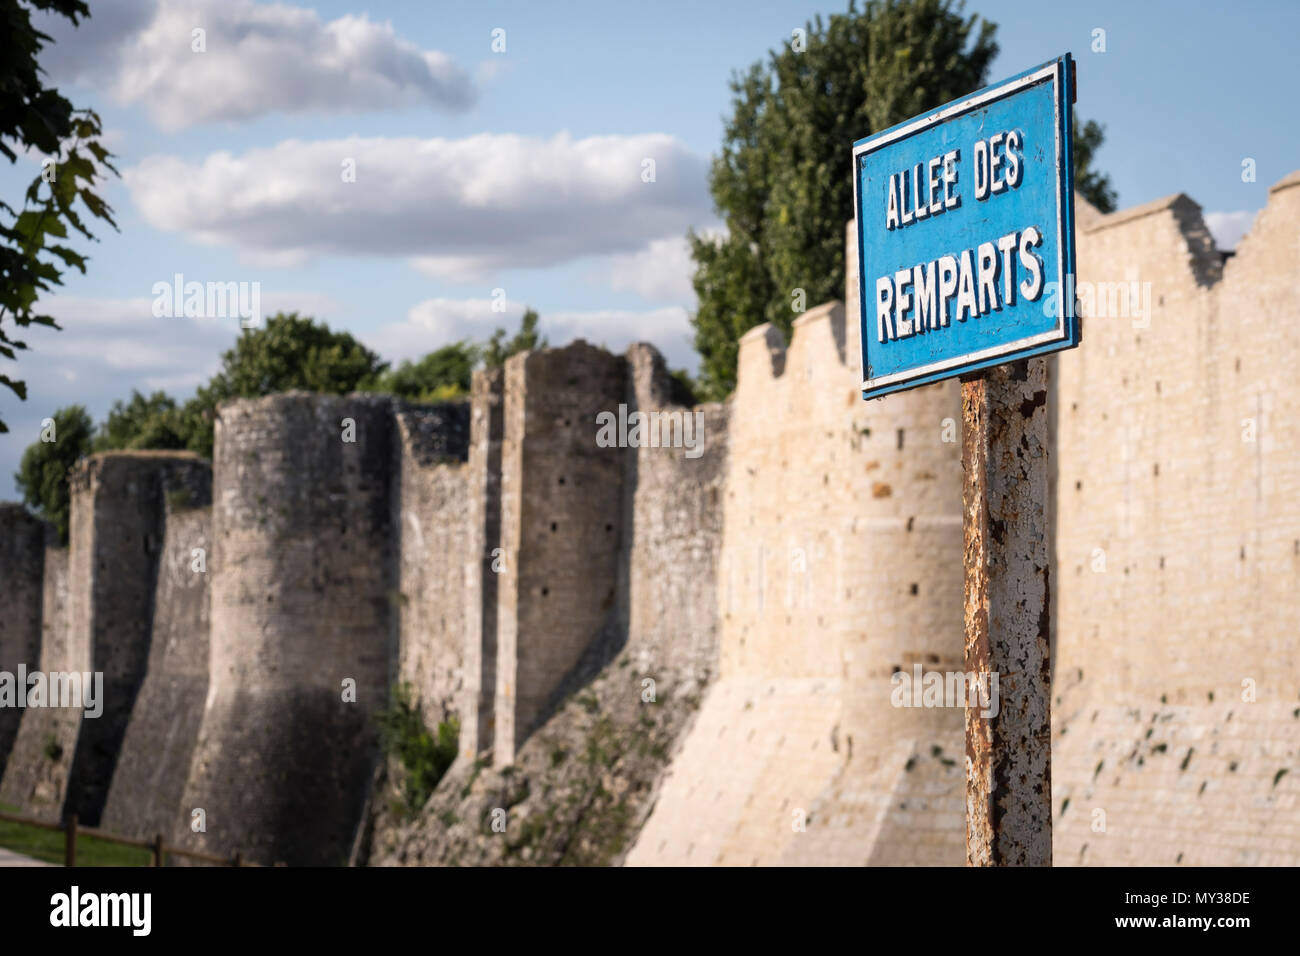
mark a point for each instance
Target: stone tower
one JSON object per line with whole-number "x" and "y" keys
{"x": 302, "y": 613}
{"x": 22, "y": 554}
{"x": 116, "y": 542}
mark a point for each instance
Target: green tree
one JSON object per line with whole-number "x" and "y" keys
{"x": 733, "y": 289}
{"x": 43, "y": 472}
{"x": 527, "y": 339}
{"x": 34, "y": 117}
{"x": 1092, "y": 185}
{"x": 440, "y": 376}
{"x": 781, "y": 182}
{"x": 152, "y": 422}
{"x": 290, "y": 352}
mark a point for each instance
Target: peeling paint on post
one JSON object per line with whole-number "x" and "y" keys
{"x": 1007, "y": 562}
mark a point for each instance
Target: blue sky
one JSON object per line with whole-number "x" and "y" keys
{"x": 520, "y": 171}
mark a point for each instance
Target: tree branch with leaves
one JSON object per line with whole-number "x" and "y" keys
{"x": 34, "y": 118}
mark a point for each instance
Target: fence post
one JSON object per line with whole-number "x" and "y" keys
{"x": 158, "y": 851}
{"x": 70, "y": 840}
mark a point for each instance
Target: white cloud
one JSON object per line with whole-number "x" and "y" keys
{"x": 434, "y": 323}
{"x": 457, "y": 208}
{"x": 661, "y": 272}
{"x": 258, "y": 59}
{"x": 117, "y": 337}
{"x": 1227, "y": 228}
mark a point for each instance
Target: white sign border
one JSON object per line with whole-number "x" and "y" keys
{"x": 1054, "y": 70}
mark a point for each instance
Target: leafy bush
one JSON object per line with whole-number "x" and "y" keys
{"x": 424, "y": 755}
{"x": 291, "y": 352}
{"x": 527, "y": 339}
{"x": 152, "y": 422}
{"x": 43, "y": 472}
{"x": 442, "y": 375}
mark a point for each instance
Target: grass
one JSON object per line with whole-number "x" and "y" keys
{"x": 47, "y": 845}
{"x": 180, "y": 498}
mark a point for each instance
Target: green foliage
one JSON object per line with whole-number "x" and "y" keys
{"x": 289, "y": 352}
{"x": 424, "y": 756}
{"x": 733, "y": 289}
{"x": 781, "y": 182}
{"x": 153, "y": 422}
{"x": 33, "y": 117}
{"x": 294, "y": 351}
{"x": 1092, "y": 185}
{"x": 42, "y": 475}
{"x": 498, "y": 349}
{"x": 442, "y": 375}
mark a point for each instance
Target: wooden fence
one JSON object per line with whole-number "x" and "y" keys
{"x": 156, "y": 847}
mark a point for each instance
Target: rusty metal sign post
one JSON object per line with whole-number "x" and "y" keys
{"x": 965, "y": 224}
{"x": 1007, "y": 613}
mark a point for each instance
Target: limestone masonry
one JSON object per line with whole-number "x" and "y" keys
{"x": 748, "y": 610}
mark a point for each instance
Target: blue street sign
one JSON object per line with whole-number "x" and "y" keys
{"x": 965, "y": 220}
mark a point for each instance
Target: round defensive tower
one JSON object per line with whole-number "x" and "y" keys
{"x": 22, "y": 551}
{"x": 302, "y": 625}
